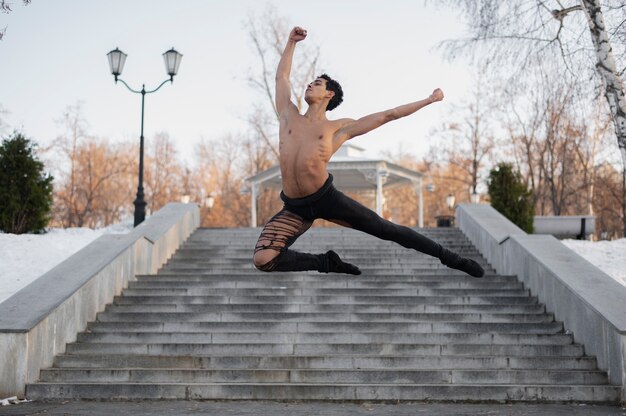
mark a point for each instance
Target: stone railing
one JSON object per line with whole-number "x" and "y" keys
{"x": 38, "y": 321}
{"x": 590, "y": 303}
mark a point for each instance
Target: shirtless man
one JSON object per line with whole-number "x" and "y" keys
{"x": 306, "y": 144}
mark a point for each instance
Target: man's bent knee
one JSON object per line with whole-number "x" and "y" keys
{"x": 264, "y": 259}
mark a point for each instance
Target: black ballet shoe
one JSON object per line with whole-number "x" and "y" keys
{"x": 463, "y": 264}
{"x": 336, "y": 265}
{"x": 470, "y": 267}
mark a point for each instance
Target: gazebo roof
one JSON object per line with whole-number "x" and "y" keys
{"x": 351, "y": 172}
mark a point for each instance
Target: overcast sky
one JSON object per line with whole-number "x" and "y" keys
{"x": 382, "y": 52}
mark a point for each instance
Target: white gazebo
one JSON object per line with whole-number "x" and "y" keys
{"x": 351, "y": 172}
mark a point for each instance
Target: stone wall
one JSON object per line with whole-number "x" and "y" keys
{"x": 38, "y": 321}
{"x": 591, "y": 304}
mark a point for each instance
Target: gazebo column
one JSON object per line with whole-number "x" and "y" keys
{"x": 381, "y": 178}
{"x": 420, "y": 198}
{"x": 379, "y": 193}
{"x": 255, "y": 188}
{"x": 417, "y": 186}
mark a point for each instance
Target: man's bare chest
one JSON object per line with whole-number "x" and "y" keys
{"x": 306, "y": 136}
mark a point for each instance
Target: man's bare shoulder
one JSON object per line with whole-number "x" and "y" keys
{"x": 290, "y": 112}
{"x": 343, "y": 121}
{"x": 340, "y": 123}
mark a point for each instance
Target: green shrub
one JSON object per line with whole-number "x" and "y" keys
{"x": 25, "y": 190}
{"x": 510, "y": 196}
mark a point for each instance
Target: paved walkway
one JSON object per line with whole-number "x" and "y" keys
{"x": 252, "y": 408}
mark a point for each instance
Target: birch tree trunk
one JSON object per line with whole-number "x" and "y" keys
{"x": 614, "y": 88}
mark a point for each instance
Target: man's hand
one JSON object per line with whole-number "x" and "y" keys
{"x": 297, "y": 34}
{"x": 437, "y": 95}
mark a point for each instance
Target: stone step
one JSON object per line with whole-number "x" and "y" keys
{"x": 328, "y": 375}
{"x": 205, "y": 252}
{"x": 327, "y": 392}
{"x": 490, "y": 322}
{"x": 321, "y": 277}
{"x": 341, "y": 243}
{"x": 198, "y": 323}
{"x": 328, "y": 284}
{"x": 389, "y": 254}
{"x": 440, "y": 271}
{"x": 251, "y": 271}
{"x": 324, "y": 300}
{"x": 367, "y": 264}
{"x": 383, "y": 253}
{"x": 338, "y": 292}
{"x": 196, "y": 281}
{"x": 355, "y": 239}
{"x": 430, "y": 362}
{"x": 316, "y": 232}
{"x": 116, "y": 314}
{"x": 134, "y": 337}
{"x": 248, "y": 348}
{"x": 333, "y": 229}
{"x": 323, "y": 308}
{"x": 379, "y": 330}
{"x": 203, "y": 232}
{"x": 221, "y": 346}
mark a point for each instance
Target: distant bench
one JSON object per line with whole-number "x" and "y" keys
{"x": 568, "y": 226}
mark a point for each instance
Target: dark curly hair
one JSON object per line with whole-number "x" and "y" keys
{"x": 332, "y": 85}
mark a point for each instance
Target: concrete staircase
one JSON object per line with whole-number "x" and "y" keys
{"x": 210, "y": 326}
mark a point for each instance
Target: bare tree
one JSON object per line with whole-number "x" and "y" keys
{"x": 530, "y": 31}
{"x": 66, "y": 147}
{"x": 5, "y": 7}
{"x": 163, "y": 172}
{"x": 467, "y": 140}
{"x": 607, "y": 68}
{"x": 556, "y": 144}
{"x": 221, "y": 172}
{"x": 607, "y": 202}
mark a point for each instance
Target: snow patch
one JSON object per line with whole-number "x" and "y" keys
{"x": 608, "y": 256}
{"x": 25, "y": 257}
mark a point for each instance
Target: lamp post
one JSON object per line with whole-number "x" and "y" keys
{"x": 450, "y": 200}
{"x": 447, "y": 220}
{"x": 209, "y": 201}
{"x": 117, "y": 59}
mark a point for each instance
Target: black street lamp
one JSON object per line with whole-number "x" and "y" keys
{"x": 117, "y": 59}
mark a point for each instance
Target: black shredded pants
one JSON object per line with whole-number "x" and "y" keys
{"x": 272, "y": 249}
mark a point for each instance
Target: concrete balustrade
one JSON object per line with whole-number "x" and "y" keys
{"x": 589, "y": 302}
{"x": 38, "y": 321}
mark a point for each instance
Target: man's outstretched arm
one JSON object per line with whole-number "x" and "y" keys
{"x": 283, "y": 85}
{"x": 353, "y": 128}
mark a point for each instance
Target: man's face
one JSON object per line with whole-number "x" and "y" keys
{"x": 316, "y": 89}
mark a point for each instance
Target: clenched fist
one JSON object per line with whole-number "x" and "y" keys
{"x": 297, "y": 34}
{"x": 437, "y": 95}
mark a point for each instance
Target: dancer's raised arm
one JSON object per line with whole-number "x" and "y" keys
{"x": 283, "y": 85}
{"x": 351, "y": 128}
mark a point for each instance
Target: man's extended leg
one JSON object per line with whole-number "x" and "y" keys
{"x": 272, "y": 248}
{"x": 340, "y": 209}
